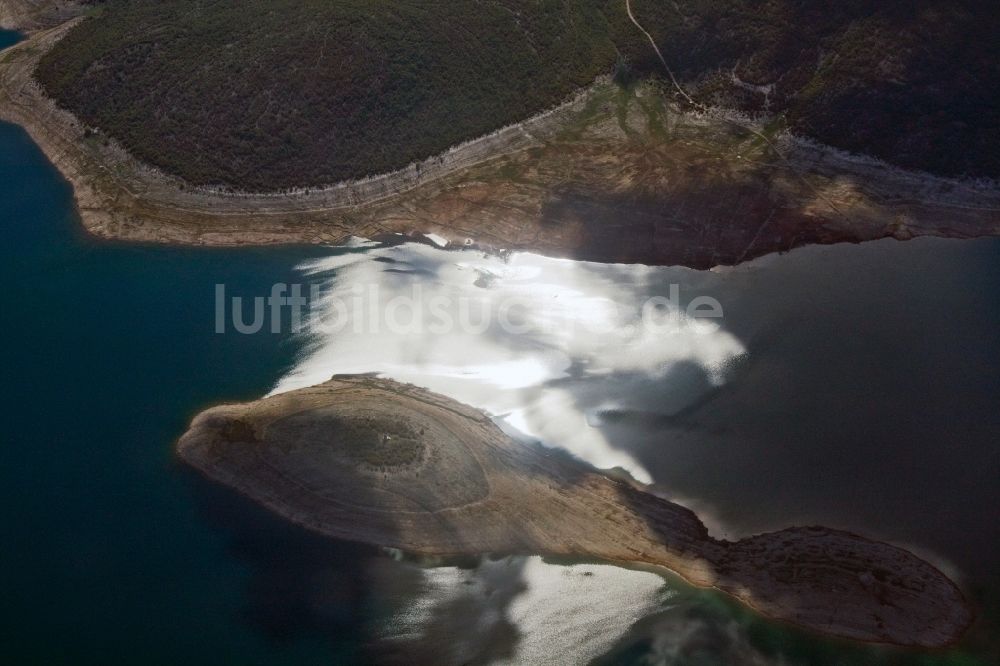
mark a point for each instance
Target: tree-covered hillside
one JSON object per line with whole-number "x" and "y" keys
{"x": 268, "y": 94}
{"x": 272, "y": 93}
{"x": 916, "y": 82}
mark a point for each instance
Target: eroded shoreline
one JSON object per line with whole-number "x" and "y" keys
{"x": 389, "y": 464}
{"x": 613, "y": 175}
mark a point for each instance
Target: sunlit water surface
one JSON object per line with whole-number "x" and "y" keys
{"x": 850, "y": 386}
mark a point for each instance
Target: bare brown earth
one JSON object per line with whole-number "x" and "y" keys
{"x": 612, "y": 175}
{"x": 389, "y": 464}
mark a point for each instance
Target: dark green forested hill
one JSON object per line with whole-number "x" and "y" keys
{"x": 916, "y": 82}
{"x": 267, "y": 94}
{"x": 273, "y": 93}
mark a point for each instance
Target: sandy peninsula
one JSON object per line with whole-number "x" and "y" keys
{"x": 389, "y": 464}
{"x": 612, "y": 175}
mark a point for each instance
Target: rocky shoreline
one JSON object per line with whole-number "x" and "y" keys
{"x": 613, "y": 175}
{"x": 389, "y": 464}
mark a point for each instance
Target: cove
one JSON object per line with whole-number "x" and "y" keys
{"x": 107, "y": 352}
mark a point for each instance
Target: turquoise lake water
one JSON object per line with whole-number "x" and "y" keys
{"x": 9, "y": 38}
{"x": 114, "y": 554}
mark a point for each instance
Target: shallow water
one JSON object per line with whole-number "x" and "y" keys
{"x": 853, "y": 386}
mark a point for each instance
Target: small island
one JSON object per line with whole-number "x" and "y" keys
{"x": 375, "y": 461}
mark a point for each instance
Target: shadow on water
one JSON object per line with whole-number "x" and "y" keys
{"x": 301, "y": 586}
{"x": 870, "y": 411}
{"x": 304, "y": 586}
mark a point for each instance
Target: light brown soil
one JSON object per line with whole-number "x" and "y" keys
{"x": 32, "y": 15}
{"x": 474, "y": 490}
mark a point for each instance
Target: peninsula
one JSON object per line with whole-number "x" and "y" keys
{"x": 618, "y": 170}
{"x": 376, "y": 461}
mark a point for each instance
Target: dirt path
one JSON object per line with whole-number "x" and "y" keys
{"x": 652, "y": 42}
{"x": 705, "y": 109}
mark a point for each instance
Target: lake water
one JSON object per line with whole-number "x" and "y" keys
{"x": 9, "y": 38}
{"x": 107, "y": 353}
{"x": 850, "y": 386}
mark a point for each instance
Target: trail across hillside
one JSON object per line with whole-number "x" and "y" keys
{"x": 673, "y": 79}
{"x": 705, "y": 109}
